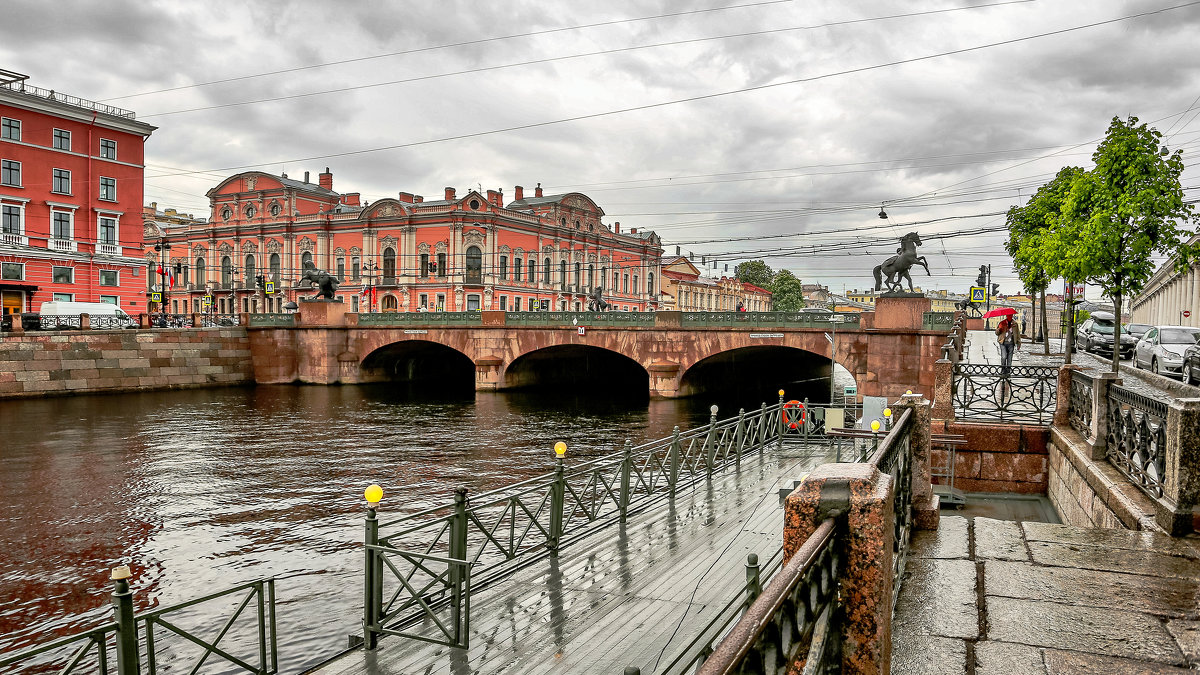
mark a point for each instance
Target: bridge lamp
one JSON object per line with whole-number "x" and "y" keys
{"x": 560, "y": 449}
{"x": 908, "y": 393}
{"x": 780, "y": 393}
{"x": 875, "y": 425}
{"x": 373, "y": 494}
{"x": 882, "y": 213}
{"x": 887, "y": 418}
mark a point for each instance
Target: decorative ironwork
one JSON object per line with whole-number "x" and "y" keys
{"x": 768, "y": 319}
{"x": 937, "y": 320}
{"x": 219, "y": 320}
{"x": 1079, "y": 403}
{"x": 170, "y": 320}
{"x": 258, "y": 319}
{"x": 1024, "y": 394}
{"x": 428, "y": 553}
{"x": 1137, "y": 438}
{"x": 57, "y": 322}
{"x": 421, "y": 319}
{"x": 111, "y": 321}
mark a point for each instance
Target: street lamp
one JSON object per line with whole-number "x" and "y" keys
{"x": 370, "y": 268}
{"x": 164, "y": 253}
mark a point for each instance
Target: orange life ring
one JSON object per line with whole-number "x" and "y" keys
{"x": 790, "y": 421}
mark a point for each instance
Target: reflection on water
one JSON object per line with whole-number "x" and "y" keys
{"x": 200, "y": 490}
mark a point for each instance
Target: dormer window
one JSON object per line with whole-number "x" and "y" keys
{"x": 474, "y": 204}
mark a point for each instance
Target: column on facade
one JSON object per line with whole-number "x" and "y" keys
{"x": 321, "y": 256}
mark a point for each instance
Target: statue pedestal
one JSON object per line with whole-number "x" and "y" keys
{"x": 322, "y": 312}
{"x": 900, "y": 310}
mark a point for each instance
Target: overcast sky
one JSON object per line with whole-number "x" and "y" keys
{"x": 782, "y": 125}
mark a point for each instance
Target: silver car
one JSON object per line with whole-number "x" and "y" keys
{"x": 1161, "y": 348}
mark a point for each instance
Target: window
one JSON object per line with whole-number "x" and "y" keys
{"x": 62, "y": 139}
{"x": 650, "y": 283}
{"x": 62, "y": 182}
{"x": 64, "y": 297}
{"x": 355, "y": 267}
{"x": 616, "y": 281}
{"x": 226, "y": 272}
{"x": 516, "y": 269}
{"x": 12, "y": 271}
{"x": 110, "y": 299}
{"x": 11, "y": 222}
{"x": 108, "y": 189}
{"x": 305, "y": 259}
{"x": 472, "y": 303}
{"x": 474, "y": 265}
{"x": 10, "y": 173}
{"x": 108, "y": 231}
{"x": 200, "y": 276}
{"x": 108, "y": 278}
{"x": 275, "y": 267}
{"x": 441, "y": 302}
{"x": 108, "y": 149}
{"x": 562, "y": 273}
{"x": 389, "y": 266}
{"x": 274, "y": 209}
{"x": 424, "y": 264}
{"x": 226, "y": 213}
{"x": 248, "y": 269}
{"x": 591, "y": 276}
{"x": 603, "y": 274}
{"x": 64, "y": 275}
{"x": 10, "y": 129}
{"x": 250, "y": 211}
{"x": 354, "y": 304}
{"x": 341, "y": 267}
{"x": 503, "y": 267}
{"x": 635, "y": 280}
{"x": 503, "y": 303}
{"x": 578, "y": 274}
{"x": 62, "y": 225}
{"x": 546, "y": 271}
{"x": 516, "y": 304}
{"x": 532, "y": 271}
{"x": 423, "y": 301}
{"x": 625, "y": 286}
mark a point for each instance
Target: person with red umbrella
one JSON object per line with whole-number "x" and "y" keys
{"x": 1008, "y": 335}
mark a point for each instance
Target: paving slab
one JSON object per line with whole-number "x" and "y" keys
{"x": 1139, "y": 540}
{"x": 1187, "y": 634}
{"x": 1091, "y": 630}
{"x": 929, "y": 655}
{"x": 999, "y": 540}
{"x": 1168, "y": 597}
{"x": 938, "y": 598}
{"x": 1073, "y": 663}
{"x": 950, "y": 540}
{"x": 1124, "y": 560}
{"x": 1004, "y": 658}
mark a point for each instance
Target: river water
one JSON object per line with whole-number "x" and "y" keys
{"x": 199, "y": 490}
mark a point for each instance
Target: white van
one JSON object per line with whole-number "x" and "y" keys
{"x": 66, "y": 315}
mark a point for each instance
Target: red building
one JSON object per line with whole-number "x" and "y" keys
{"x": 70, "y": 199}
{"x": 459, "y": 253}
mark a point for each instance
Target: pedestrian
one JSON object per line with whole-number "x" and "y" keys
{"x": 1009, "y": 338}
{"x": 740, "y": 306}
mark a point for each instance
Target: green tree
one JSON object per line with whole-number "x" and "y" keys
{"x": 1029, "y": 228}
{"x": 755, "y": 272}
{"x": 1123, "y": 212}
{"x": 787, "y": 292}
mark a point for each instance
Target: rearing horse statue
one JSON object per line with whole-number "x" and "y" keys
{"x": 897, "y": 266}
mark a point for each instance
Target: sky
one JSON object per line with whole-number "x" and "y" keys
{"x": 735, "y": 129}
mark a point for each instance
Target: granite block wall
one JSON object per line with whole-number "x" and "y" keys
{"x": 997, "y": 457}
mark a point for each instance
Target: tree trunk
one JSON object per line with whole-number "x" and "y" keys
{"x": 1045, "y": 326}
{"x": 1069, "y": 338}
{"x": 1116, "y": 357}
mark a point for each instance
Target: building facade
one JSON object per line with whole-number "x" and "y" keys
{"x": 458, "y": 253}
{"x": 1167, "y": 295}
{"x": 683, "y": 288}
{"x": 71, "y": 190}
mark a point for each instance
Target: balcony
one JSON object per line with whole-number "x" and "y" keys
{"x": 108, "y": 249}
{"x": 14, "y": 239}
{"x": 63, "y": 245}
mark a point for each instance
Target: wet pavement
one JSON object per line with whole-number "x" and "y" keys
{"x": 989, "y": 597}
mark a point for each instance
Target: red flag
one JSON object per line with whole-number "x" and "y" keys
{"x": 169, "y": 276}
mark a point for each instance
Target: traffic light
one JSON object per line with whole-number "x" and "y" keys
{"x": 260, "y": 280}
{"x": 995, "y": 290}
{"x": 432, "y": 265}
{"x": 981, "y": 280}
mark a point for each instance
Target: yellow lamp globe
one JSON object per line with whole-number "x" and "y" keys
{"x": 373, "y": 494}
{"x": 908, "y": 393}
{"x": 874, "y": 425}
{"x": 560, "y": 449}
{"x": 780, "y": 392}
{"x": 887, "y": 412}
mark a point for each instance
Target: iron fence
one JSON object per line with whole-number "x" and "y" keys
{"x": 1014, "y": 394}
{"x": 429, "y": 558}
{"x": 271, "y": 319}
{"x": 1079, "y": 403}
{"x": 111, "y": 321}
{"x": 1137, "y": 438}
{"x": 894, "y": 457}
{"x": 219, "y": 320}
{"x": 768, "y": 319}
{"x": 168, "y": 320}
{"x": 589, "y": 319}
{"x": 420, "y": 318}
{"x": 54, "y": 322}
{"x": 157, "y": 639}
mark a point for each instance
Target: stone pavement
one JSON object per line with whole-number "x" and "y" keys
{"x": 992, "y": 597}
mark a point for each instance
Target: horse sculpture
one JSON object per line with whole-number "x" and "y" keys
{"x": 326, "y": 283}
{"x": 596, "y": 301}
{"x": 897, "y": 266}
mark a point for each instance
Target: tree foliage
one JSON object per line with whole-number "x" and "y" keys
{"x": 787, "y": 292}
{"x": 755, "y": 272}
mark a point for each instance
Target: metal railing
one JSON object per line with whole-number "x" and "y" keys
{"x": 430, "y": 557}
{"x": 57, "y": 322}
{"x": 271, "y": 319}
{"x": 589, "y": 319}
{"x": 146, "y": 638}
{"x": 1079, "y": 403}
{"x": 219, "y": 320}
{"x": 420, "y": 318}
{"x": 168, "y": 320}
{"x": 52, "y": 95}
{"x": 767, "y": 319}
{"x": 1137, "y": 438}
{"x": 111, "y": 321}
{"x": 1016, "y": 394}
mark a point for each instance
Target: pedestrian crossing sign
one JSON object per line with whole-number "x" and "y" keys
{"x": 156, "y": 296}
{"x": 978, "y": 294}
{"x": 270, "y": 289}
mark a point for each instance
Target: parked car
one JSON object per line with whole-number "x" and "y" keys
{"x": 1161, "y": 348}
{"x": 1096, "y": 335}
{"x": 1137, "y": 330}
{"x": 1191, "y": 364}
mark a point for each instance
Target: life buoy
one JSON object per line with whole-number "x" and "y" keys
{"x": 793, "y": 414}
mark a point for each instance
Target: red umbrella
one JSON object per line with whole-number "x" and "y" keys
{"x": 1000, "y": 311}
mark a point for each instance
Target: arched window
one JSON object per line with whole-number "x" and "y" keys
{"x": 578, "y": 274}
{"x": 562, "y": 273}
{"x": 532, "y": 271}
{"x": 305, "y": 259}
{"x": 635, "y": 284}
{"x": 250, "y": 271}
{"x": 389, "y": 267}
{"x": 517, "y": 262}
{"x": 546, "y": 271}
{"x": 591, "y": 276}
{"x": 275, "y": 266}
{"x": 200, "y": 276}
{"x": 389, "y": 303}
{"x": 474, "y": 260}
{"x": 650, "y": 283}
{"x": 226, "y": 272}
{"x": 603, "y": 274}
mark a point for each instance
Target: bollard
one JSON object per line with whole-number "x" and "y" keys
{"x": 673, "y": 476}
{"x": 630, "y": 670}
{"x": 753, "y": 580}
{"x": 372, "y": 585}
{"x": 710, "y": 441}
{"x": 558, "y": 493}
{"x": 458, "y": 551}
{"x": 741, "y": 436}
{"x": 626, "y": 471}
{"x": 127, "y": 638}
{"x": 782, "y": 426}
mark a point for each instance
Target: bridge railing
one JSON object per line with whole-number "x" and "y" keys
{"x": 245, "y": 642}
{"x": 768, "y": 319}
{"x": 420, "y": 570}
{"x": 1019, "y": 394}
{"x": 421, "y": 318}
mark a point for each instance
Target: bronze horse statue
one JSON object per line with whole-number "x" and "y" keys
{"x": 897, "y": 266}
{"x": 596, "y": 301}
{"x": 326, "y": 283}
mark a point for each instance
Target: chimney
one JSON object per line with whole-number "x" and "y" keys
{"x": 417, "y": 199}
{"x": 326, "y": 180}
{"x": 305, "y": 176}
{"x": 449, "y": 194}
{"x": 494, "y": 198}
{"x": 406, "y": 197}
{"x": 154, "y": 205}
{"x": 519, "y": 193}
{"x": 350, "y": 199}
{"x": 537, "y": 191}
{"x": 617, "y": 227}
{"x": 633, "y": 230}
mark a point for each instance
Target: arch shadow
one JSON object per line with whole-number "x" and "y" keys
{"x": 568, "y": 368}
{"x": 746, "y": 376}
{"x": 419, "y": 362}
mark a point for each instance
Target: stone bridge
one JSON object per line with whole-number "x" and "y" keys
{"x": 888, "y": 351}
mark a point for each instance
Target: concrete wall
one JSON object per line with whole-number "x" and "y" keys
{"x": 1092, "y": 493}
{"x": 997, "y": 457}
{"x": 122, "y": 360}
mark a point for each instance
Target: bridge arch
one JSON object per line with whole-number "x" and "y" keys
{"x": 422, "y": 362}
{"x": 576, "y": 365}
{"x": 755, "y": 369}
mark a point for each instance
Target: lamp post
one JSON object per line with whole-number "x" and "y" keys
{"x": 370, "y": 269}
{"x": 164, "y": 252}
{"x": 834, "y": 321}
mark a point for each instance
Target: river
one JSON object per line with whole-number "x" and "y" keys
{"x": 198, "y": 490}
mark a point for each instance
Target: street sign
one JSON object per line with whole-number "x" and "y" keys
{"x": 582, "y": 330}
{"x": 270, "y": 288}
{"x": 850, "y": 390}
{"x": 978, "y": 294}
{"x": 156, "y": 296}
{"x": 1187, "y": 313}
{"x": 207, "y": 301}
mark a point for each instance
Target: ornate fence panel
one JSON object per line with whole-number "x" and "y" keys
{"x": 1079, "y": 403}
{"x": 937, "y": 321}
{"x": 1023, "y": 394}
{"x": 169, "y": 320}
{"x": 421, "y": 568}
{"x": 894, "y": 457}
{"x": 767, "y": 319}
{"x": 58, "y": 322}
{"x": 111, "y": 322}
{"x": 420, "y": 319}
{"x": 219, "y": 320}
{"x": 274, "y": 320}
{"x": 1137, "y": 438}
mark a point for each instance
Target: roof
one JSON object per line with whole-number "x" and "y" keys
{"x": 751, "y": 287}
